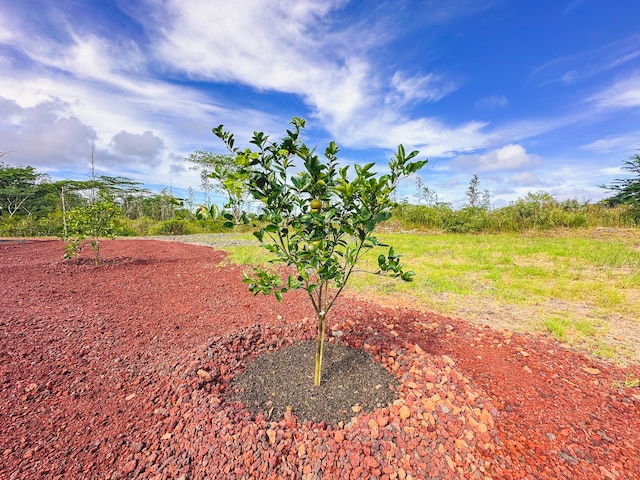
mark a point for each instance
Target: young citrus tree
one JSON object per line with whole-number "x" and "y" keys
{"x": 316, "y": 217}
{"x": 95, "y": 221}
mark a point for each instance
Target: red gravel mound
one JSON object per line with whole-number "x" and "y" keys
{"x": 120, "y": 371}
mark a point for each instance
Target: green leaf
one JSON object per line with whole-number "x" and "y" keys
{"x": 407, "y": 276}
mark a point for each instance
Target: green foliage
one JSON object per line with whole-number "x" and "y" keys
{"x": 32, "y": 206}
{"x": 535, "y": 211}
{"x": 228, "y": 178}
{"x": 22, "y": 191}
{"x": 173, "y": 227}
{"x": 478, "y": 199}
{"x": 628, "y": 188}
{"x": 316, "y": 218}
{"x": 32, "y": 226}
{"x": 94, "y": 221}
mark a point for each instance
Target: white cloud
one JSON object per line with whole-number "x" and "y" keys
{"x": 509, "y": 157}
{"x": 267, "y": 44}
{"x": 430, "y": 136}
{"x": 6, "y": 34}
{"x": 622, "y": 94}
{"x": 492, "y": 102}
{"x": 44, "y": 135}
{"x": 613, "y": 143}
{"x": 612, "y": 171}
{"x": 527, "y": 179}
{"x": 428, "y": 87}
{"x": 146, "y": 145}
{"x": 289, "y": 50}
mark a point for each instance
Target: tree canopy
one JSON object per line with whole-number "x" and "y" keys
{"x": 315, "y": 217}
{"x": 222, "y": 174}
{"x": 628, "y": 189}
{"x": 20, "y": 189}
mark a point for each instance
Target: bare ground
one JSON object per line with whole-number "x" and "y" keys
{"x": 122, "y": 371}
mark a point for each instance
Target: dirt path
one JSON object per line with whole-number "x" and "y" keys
{"x": 99, "y": 379}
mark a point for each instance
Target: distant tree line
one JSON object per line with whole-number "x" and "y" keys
{"x": 535, "y": 211}
{"x": 31, "y": 204}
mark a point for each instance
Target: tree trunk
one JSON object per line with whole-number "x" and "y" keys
{"x": 64, "y": 214}
{"x": 319, "y": 349}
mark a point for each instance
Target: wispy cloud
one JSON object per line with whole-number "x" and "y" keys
{"x": 613, "y": 171}
{"x": 527, "y": 179}
{"x": 574, "y": 68}
{"x": 611, "y": 143}
{"x": 507, "y": 158}
{"x": 436, "y": 11}
{"x": 430, "y": 88}
{"x": 622, "y": 94}
{"x": 433, "y": 138}
{"x": 573, "y": 4}
{"x": 492, "y": 102}
{"x": 268, "y": 45}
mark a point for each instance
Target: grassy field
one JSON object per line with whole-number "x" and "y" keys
{"x": 580, "y": 286}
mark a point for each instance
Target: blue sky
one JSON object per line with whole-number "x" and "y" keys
{"x": 530, "y": 95}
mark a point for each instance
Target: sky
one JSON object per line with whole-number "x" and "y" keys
{"x": 530, "y": 95}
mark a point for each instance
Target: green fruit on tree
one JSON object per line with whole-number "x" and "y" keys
{"x": 316, "y": 205}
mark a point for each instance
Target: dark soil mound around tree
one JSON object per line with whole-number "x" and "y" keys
{"x": 283, "y": 380}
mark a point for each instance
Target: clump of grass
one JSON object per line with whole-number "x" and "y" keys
{"x": 557, "y": 327}
{"x": 604, "y": 351}
{"x": 585, "y": 328}
{"x": 630, "y": 381}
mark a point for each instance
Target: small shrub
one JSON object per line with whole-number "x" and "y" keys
{"x": 173, "y": 227}
{"x": 95, "y": 221}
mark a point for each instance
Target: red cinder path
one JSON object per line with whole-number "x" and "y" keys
{"x": 101, "y": 376}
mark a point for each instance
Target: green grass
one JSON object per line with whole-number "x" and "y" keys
{"x": 247, "y": 255}
{"x": 572, "y": 285}
{"x": 557, "y": 327}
